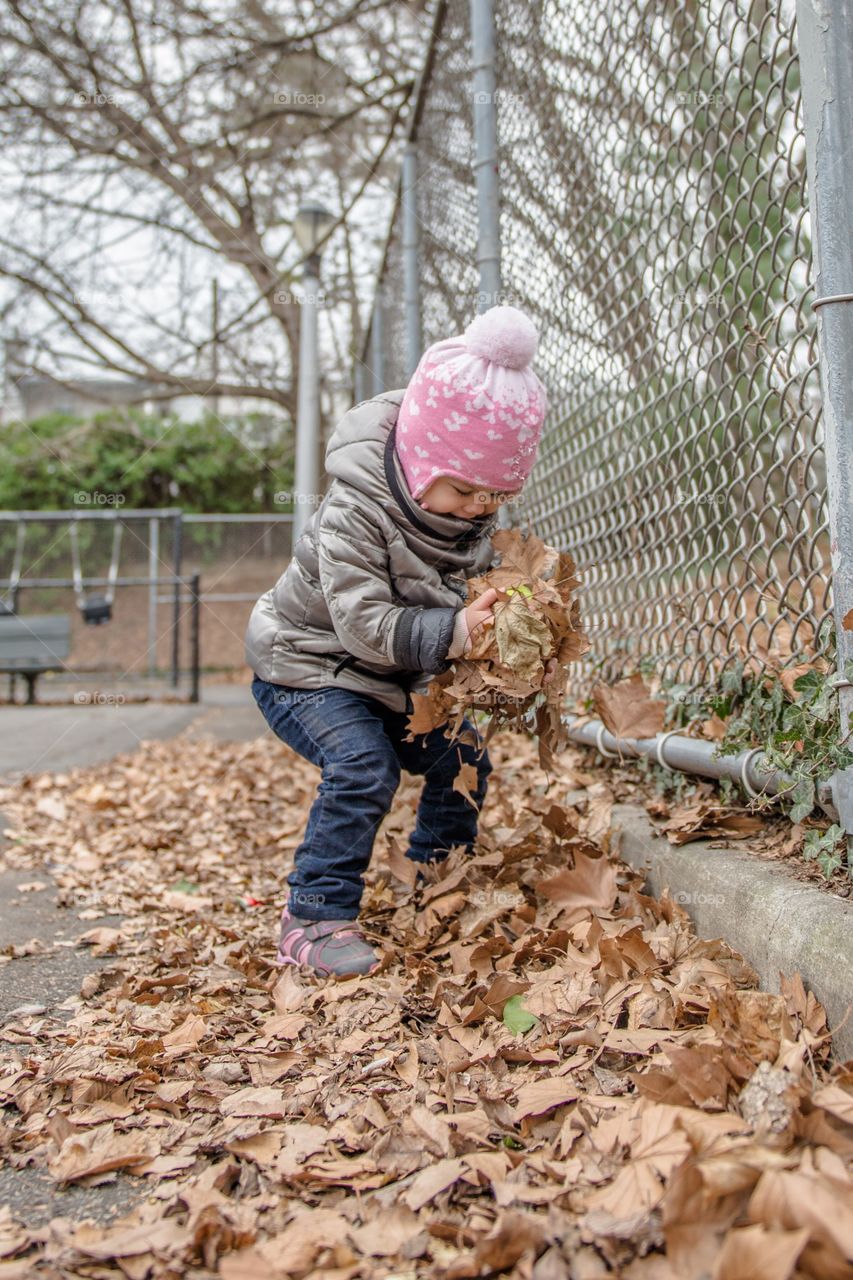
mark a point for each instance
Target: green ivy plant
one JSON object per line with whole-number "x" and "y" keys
{"x": 827, "y": 848}
{"x": 799, "y": 736}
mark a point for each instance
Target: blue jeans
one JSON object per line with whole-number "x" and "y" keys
{"x": 358, "y": 743}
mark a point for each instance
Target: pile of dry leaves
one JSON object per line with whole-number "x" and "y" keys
{"x": 551, "y": 1077}
{"x": 536, "y": 618}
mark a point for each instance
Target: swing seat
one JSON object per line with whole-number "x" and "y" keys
{"x": 96, "y": 610}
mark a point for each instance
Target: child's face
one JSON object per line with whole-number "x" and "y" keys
{"x": 447, "y": 496}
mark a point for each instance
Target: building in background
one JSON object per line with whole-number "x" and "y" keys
{"x": 29, "y": 395}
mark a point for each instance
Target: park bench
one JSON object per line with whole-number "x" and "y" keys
{"x": 33, "y": 644}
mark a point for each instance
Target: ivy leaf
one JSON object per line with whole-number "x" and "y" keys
{"x": 732, "y": 681}
{"x": 829, "y": 864}
{"x": 517, "y": 1018}
{"x": 183, "y": 886}
{"x": 809, "y": 680}
{"x": 820, "y": 707}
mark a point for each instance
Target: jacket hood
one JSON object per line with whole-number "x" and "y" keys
{"x": 361, "y": 453}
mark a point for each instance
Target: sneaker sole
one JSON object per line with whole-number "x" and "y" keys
{"x": 282, "y": 963}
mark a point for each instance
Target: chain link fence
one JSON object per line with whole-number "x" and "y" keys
{"x": 654, "y": 222}
{"x": 446, "y": 206}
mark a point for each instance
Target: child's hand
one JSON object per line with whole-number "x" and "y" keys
{"x": 478, "y": 613}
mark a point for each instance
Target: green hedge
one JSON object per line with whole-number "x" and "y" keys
{"x": 233, "y": 465}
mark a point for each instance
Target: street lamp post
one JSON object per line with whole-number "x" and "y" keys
{"x": 310, "y": 225}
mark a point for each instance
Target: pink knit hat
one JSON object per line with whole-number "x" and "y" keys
{"x": 473, "y": 407}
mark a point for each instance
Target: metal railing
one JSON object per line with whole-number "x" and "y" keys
{"x": 192, "y": 583}
{"x": 71, "y": 560}
{"x": 650, "y": 188}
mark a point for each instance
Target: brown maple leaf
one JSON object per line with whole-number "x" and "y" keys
{"x": 536, "y": 619}
{"x": 627, "y": 708}
{"x": 591, "y": 883}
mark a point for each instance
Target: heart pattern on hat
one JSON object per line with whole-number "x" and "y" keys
{"x": 477, "y": 390}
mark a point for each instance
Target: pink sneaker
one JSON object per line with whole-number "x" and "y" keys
{"x": 327, "y": 946}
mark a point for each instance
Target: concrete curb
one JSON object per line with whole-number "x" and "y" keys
{"x": 777, "y": 923}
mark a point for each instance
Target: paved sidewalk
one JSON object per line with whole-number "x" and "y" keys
{"x": 52, "y": 739}
{"x": 56, "y": 737}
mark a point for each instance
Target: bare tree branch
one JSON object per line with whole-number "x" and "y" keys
{"x": 144, "y": 141}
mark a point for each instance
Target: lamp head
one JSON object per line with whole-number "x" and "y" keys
{"x": 311, "y": 223}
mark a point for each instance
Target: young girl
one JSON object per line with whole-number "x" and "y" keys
{"x": 371, "y": 605}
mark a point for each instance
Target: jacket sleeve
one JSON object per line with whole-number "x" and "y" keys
{"x": 459, "y": 640}
{"x": 354, "y": 576}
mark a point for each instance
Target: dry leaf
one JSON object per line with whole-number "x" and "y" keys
{"x": 628, "y": 710}
{"x": 590, "y": 884}
{"x": 465, "y": 782}
{"x": 544, "y": 1095}
{"x": 707, "y": 819}
{"x": 267, "y": 1101}
{"x": 99, "y": 1150}
{"x": 753, "y": 1253}
{"x": 288, "y": 1126}
{"x": 535, "y": 618}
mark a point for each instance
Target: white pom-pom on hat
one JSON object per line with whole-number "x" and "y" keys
{"x": 504, "y": 335}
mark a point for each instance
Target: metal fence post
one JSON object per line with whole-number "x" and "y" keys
{"x": 177, "y": 560}
{"x": 306, "y": 480}
{"x": 486, "y": 152}
{"x": 377, "y": 342}
{"x": 153, "y": 561}
{"x": 411, "y": 258}
{"x": 826, "y": 60}
{"x": 486, "y": 166}
{"x": 195, "y": 635}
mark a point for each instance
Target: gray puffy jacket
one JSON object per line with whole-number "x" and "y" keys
{"x": 370, "y": 596}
